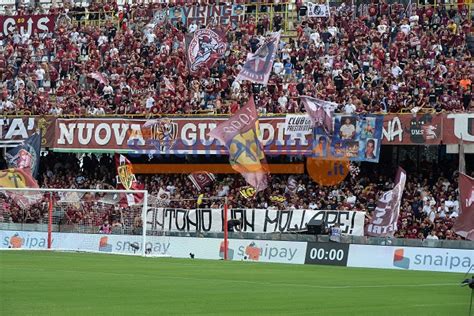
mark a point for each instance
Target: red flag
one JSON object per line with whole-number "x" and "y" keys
{"x": 126, "y": 181}
{"x": 464, "y": 224}
{"x": 258, "y": 66}
{"x": 239, "y": 135}
{"x": 385, "y": 217}
{"x": 321, "y": 112}
{"x": 201, "y": 179}
{"x": 204, "y": 47}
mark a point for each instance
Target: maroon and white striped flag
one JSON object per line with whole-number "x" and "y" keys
{"x": 320, "y": 112}
{"x": 126, "y": 181}
{"x": 464, "y": 224}
{"x": 258, "y": 66}
{"x": 201, "y": 179}
{"x": 384, "y": 219}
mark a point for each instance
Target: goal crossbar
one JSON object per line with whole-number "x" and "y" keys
{"x": 52, "y": 190}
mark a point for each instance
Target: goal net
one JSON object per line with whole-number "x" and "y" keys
{"x": 106, "y": 221}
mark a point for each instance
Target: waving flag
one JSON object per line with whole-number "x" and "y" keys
{"x": 20, "y": 178}
{"x": 204, "y": 47}
{"x": 201, "y": 179}
{"x": 126, "y": 181}
{"x": 26, "y": 155}
{"x": 259, "y": 65}
{"x": 99, "y": 77}
{"x": 385, "y": 217}
{"x": 239, "y": 134}
{"x": 321, "y": 112}
{"x": 464, "y": 224}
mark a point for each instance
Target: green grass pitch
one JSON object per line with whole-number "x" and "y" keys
{"x": 49, "y": 283}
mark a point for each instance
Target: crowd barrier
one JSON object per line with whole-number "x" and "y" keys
{"x": 254, "y": 250}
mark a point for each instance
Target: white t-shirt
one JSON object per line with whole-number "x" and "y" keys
{"x": 349, "y": 108}
{"x": 432, "y": 237}
{"x": 283, "y": 101}
{"x": 405, "y": 28}
{"x": 102, "y": 39}
{"x": 108, "y": 90}
{"x": 315, "y": 37}
{"x": 351, "y": 200}
{"x": 382, "y": 28}
{"x": 150, "y": 102}
{"x": 396, "y": 71}
{"x": 347, "y": 130}
{"x": 278, "y": 67}
{"x": 333, "y": 30}
{"x": 40, "y": 74}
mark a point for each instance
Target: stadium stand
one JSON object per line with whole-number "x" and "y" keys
{"x": 379, "y": 61}
{"x": 105, "y": 59}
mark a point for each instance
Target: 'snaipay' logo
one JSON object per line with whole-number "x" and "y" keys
{"x": 266, "y": 252}
{"x": 104, "y": 245}
{"x": 399, "y": 260}
{"x": 205, "y": 48}
{"x": 26, "y": 241}
{"x": 431, "y": 260}
{"x": 16, "y": 241}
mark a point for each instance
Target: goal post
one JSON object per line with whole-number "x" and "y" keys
{"x": 74, "y": 219}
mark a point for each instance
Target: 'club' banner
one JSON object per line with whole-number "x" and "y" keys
{"x": 384, "y": 219}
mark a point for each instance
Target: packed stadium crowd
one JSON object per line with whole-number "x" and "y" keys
{"x": 383, "y": 61}
{"x": 430, "y": 201}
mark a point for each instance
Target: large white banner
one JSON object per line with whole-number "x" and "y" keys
{"x": 410, "y": 258}
{"x": 253, "y": 220}
{"x": 177, "y": 247}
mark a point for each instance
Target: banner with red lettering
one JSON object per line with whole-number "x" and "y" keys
{"x": 27, "y": 24}
{"x": 188, "y": 135}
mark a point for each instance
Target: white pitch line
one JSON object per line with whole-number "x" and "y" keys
{"x": 329, "y": 287}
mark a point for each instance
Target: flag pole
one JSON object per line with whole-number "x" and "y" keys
{"x": 50, "y": 220}
{"x": 226, "y": 232}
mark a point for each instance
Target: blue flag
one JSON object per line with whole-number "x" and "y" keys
{"x": 26, "y": 155}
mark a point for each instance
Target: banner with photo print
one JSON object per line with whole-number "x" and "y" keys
{"x": 356, "y": 137}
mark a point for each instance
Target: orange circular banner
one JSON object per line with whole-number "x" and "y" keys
{"x": 327, "y": 172}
